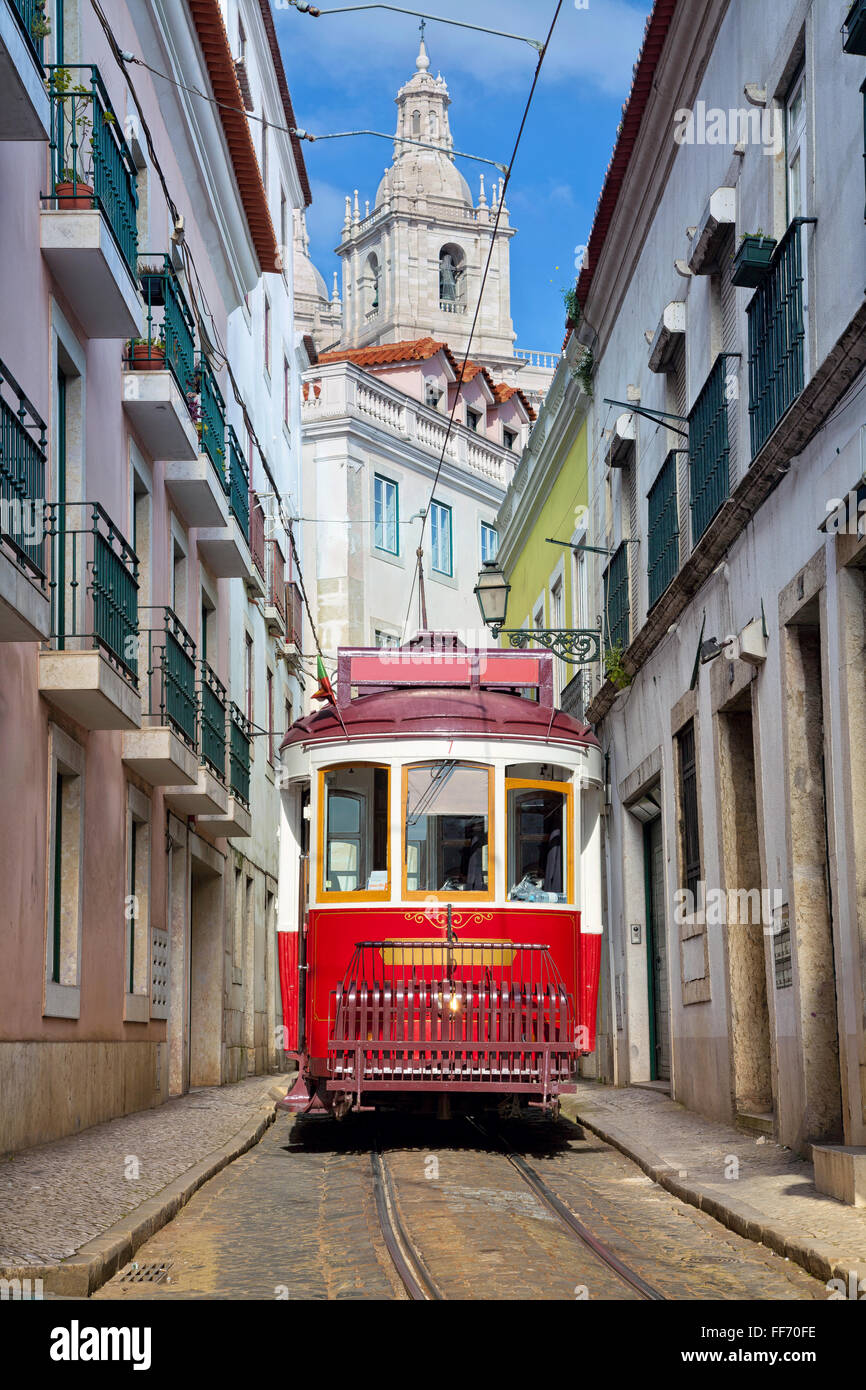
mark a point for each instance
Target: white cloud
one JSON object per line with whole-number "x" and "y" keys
{"x": 360, "y": 54}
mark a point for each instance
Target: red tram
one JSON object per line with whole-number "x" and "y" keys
{"x": 440, "y": 894}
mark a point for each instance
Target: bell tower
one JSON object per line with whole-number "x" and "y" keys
{"x": 412, "y": 266}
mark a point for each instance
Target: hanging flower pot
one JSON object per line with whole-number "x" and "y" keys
{"x": 752, "y": 260}
{"x": 153, "y": 287}
{"x": 855, "y": 29}
{"x": 147, "y": 357}
{"x": 74, "y": 197}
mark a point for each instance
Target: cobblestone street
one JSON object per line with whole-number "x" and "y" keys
{"x": 295, "y": 1218}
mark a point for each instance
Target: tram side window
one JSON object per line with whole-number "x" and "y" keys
{"x": 537, "y": 844}
{"x": 356, "y": 830}
{"x": 447, "y": 828}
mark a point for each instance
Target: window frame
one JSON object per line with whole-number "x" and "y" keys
{"x": 535, "y": 784}
{"x": 488, "y": 526}
{"x": 453, "y": 895}
{"x": 449, "y": 573}
{"x": 388, "y": 483}
{"x": 365, "y": 895}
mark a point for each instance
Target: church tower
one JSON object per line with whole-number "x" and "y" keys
{"x": 412, "y": 266}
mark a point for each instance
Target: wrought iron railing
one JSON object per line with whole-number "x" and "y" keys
{"x": 22, "y": 476}
{"x": 709, "y": 447}
{"x": 212, "y": 720}
{"x": 212, "y": 425}
{"x": 93, "y": 585}
{"x": 169, "y": 339}
{"x": 486, "y": 1014}
{"x": 663, "y": 534}
{"x": 171, "y": 676}
{"x": 777, "y": 335}
{"x": 90, "y": 160}
{"x": 32, "y": 18}
{"x": 295, "y": 614}
{"x": 616, "y": 600}
{"x": 239, "y": 755}
{"x": 238, "y": 485}
{"x": 257, "y": 533}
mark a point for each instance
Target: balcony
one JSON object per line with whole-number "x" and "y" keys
{"x": 295, "y": 615}
{"x": 275, "y": 589}
{"x": 159, "y": 368}
{"x": 237, "y": 822}
{"x": 616, "y": 601}
{"x": 663, "y": 536}
{"x": 88, "y": 226}
{"x": 256, "y": 587}
{"x": 208, "y": 797}
{"x": 709, "y": 448}
{"x": 91, "y": 672}
{"x": 199, "y": 488}
{"x": 776, "y": 338}
{"x": 25, "y": 608}
{"x": 226, "y": 550}
{"x": 164, "y": 751}
{"x": 25, "y": 112}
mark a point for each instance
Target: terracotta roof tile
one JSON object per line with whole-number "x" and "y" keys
{"x": 214, "y": 41}
{"x": 388, "y": 354}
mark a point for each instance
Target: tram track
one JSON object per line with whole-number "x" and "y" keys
{"x": 411, "y": 1266}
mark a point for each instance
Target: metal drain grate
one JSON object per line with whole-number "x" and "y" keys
{"x": 154, "y": 1273}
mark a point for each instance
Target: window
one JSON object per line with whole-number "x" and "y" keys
{"x": 451, "y": 278}
{"x": 795, "y": 142}
{"x": 473, "y": 419}
{"x": 385, "y": 515}
{"x": 448, "y": 829}
{"x": 432, "y": 394}
{"x": 353, "y": 842}
{"x": 440, "y": 533}
{"x": 539, "y": 844}
{"x": 371, "y": 284}
{"x": 267, "y": 335}
{"x": 557, "y": 623}
{"x": 242, "y": 41}
{"x": 137, "y": 907}
{"x": 270, "y": 683}
{"x": 416, "y": 123}
{"x": 208, "y": 643}
{"x": 178, "y": 580}
{"x": 691, "y": 844}
{"x": 248, "y": 676}
{"x": 287, "y": 389}
{"x": 489, "y": 542}
{"x": 65, "y": 857}
{"x": 509, "y": 438}
{"x": 284, "y": 228}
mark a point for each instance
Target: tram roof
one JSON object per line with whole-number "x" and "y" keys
{"x": 437, "y": 712}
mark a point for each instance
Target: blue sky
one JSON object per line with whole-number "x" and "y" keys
{"x": 344, "y": 72}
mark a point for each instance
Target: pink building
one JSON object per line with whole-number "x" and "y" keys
{"x": 137, "y": 228}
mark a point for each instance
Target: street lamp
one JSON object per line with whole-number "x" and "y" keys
{"x": 577, "y": 646}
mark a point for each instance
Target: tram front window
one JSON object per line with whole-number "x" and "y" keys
{"x": 537, "y": 843}
{"x": 356, "y": 830}
{"x": 447, "y": 828}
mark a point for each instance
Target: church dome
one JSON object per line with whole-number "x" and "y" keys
{"x": 427, "y": 173}
{"x": 422, "y": 105}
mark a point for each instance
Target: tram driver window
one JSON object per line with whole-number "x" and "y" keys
{"x": 355, "y": 817}
{"x": 447, "y": 828}
{"x": 537, "y": 843}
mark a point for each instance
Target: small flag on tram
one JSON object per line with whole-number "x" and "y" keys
{"x": 325, "y": 690}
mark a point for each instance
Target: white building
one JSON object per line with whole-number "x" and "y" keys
{"x": 376, "y": 405}
{"x": 728, "y": 423}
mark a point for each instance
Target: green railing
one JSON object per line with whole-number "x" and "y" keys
{"x": 90, "y": 160}
{"x": 239, "y": 755}
{"x": 171, "y": 676}
{"x": 32, "y": 18}
{"x": 94, "y": 584}
{"x": 709, "y": 448}
{"x": 239, "y": 485}
{"x": 777, "y": 335}
{"x": 22, "y": 476}
{"x": 616, "y": 603}
{"x": 212, "y": 425}
{"x": 212, "y": 720}
{"x": 663, "y": 537}
{"x": 169, "y": 340}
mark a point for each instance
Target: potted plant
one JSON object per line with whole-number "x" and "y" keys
{"x": 72, "y": 186}
{"x": 753, "y": 259}
{"x": 152, "y": 280}
{"x": 855, "y": 29}
{"x": 585, "y": 370}
{"x": 572, "y": 308}
{"x": 72, "y": 192}
{"x": 147, "y": 354}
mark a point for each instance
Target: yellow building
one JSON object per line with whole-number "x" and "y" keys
{"x": 548, "y": 502}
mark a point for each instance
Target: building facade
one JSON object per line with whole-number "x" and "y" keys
{"x": 138, "y": 449}
{"x": 721, "y": 303}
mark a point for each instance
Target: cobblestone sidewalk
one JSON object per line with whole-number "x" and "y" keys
{"x": 60, "y": 1196}
{"x": 768, "y": 1195}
